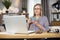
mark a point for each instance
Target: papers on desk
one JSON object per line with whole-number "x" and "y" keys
{"x": 31, "y": 31}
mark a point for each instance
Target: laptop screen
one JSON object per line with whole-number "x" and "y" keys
{"x": 15, "y": 24}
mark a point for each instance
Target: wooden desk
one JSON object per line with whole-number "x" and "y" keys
{"x": 33, "y": 35}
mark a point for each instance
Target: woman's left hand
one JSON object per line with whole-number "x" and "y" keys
{"x": 39, "y": 25}
{"x": 35, "y": 22}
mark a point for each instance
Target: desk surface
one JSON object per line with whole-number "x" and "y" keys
{"x": 33, "y": 35}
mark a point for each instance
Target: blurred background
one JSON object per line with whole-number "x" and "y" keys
{"x": 51, "y": 9}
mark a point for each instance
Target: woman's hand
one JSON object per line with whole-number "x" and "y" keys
{"x": 35, "y": 22}
{"x": 38, "y": 25}
{"x": 29, "y": 21}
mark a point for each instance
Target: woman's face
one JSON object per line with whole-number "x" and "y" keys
{"x": 37, "y": 10}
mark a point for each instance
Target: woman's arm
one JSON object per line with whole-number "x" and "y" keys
{"x": 45, "y": 23}
{"x": 38, "y": 25}
{"x": 28, "y": 23}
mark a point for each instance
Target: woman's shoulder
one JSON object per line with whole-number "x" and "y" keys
{"x": 45, "y": 18}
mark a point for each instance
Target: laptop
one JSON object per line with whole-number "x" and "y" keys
{"x": 16, "y": 24}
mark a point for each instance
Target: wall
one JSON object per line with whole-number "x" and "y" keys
{"x": 17, "y": 3}
{"x": 1, "y": 5}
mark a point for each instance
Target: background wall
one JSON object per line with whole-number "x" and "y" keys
{"x": 17, "y": 3}
{"x": 1, "y": 5}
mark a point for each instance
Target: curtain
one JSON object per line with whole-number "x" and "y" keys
{"x": 45, "y": 8}
{"x": 1, "y": 20}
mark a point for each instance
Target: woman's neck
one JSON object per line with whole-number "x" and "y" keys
{"x": 37, "y": 17}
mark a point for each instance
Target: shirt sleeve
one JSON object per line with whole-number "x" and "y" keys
{"x": 46, "y": 24}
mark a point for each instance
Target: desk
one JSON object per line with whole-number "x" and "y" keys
{"x": 33, "y": 35}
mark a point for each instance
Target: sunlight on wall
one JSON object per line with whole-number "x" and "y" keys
{"x": 15, "y": 3}
{"x": 30, "y": 6}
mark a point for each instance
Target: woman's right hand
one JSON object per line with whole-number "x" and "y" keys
{"x": 29, "y": 21}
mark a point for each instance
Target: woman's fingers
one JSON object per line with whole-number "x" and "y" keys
{"x": 29, "y": 21}
{"x": 34, "y": 22}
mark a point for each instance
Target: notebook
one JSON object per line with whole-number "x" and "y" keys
{"x": 16, "y": 24}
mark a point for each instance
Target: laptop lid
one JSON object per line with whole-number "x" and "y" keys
{"x": 15, "y": 24}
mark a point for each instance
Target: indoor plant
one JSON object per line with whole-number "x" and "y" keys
{"x": 7, "y": 4}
